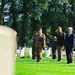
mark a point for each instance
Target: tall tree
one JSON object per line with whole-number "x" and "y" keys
{"x": 3, "y": 2}
{"x": 2, "y": 12}
{"x": 72, "y": 12}
{"x": 14, "y": 14}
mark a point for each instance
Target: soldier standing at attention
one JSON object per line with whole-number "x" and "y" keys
{"x": 40, "y": 44}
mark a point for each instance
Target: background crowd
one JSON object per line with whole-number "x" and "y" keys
{"x": 59, "y": 41}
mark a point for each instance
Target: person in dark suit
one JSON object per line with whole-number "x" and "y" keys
{"x": 69, "y": 43}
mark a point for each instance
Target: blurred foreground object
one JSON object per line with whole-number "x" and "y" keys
{"x": 7, "y": 50}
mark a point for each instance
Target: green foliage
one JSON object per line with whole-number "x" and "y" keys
{"x": 29, "y": 15}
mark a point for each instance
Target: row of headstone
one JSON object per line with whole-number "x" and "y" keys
{"x": 22, "y": 52}
{"x": 25, "y": 50}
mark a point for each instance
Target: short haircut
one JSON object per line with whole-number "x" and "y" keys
{"x": 70, "y": 28}
{"x": 60, "y": 28}
{"x": 39, "y": 29}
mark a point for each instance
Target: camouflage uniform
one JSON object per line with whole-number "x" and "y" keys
{"x": 40, "y": 44}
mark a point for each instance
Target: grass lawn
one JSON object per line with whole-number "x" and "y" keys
{"x": 48, "y": 66}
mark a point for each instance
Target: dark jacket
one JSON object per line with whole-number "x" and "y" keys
{"x": 54, "y": 42}
{"x": 69, "y": 41}
{"x": 60, "y": 38}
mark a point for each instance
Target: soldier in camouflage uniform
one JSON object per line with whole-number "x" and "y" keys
{"x": 40, "y": 44}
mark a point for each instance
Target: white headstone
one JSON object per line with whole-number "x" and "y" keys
{"x": 22, "y": 52}
{"x": 7, "y": 50}
{"x": 48, "y": 52}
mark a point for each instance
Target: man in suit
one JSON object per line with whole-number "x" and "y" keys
{"x": 69, "y": 43}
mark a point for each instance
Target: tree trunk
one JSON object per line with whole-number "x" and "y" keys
{"x": 24, "y": 16}
{"x": 2, "y": 13}
{"x": 64, "y": 9}
{"x": 14, "y": 26}
{"x": 72, "y": 13}
{"x": 24, "y": 26}
{"x": 72, "y": 8}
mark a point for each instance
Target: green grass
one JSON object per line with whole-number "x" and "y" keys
{"x": 47, "y": 66}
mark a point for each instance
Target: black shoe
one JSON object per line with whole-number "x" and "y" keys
{"x": 33, "y": 58}
{"x": 22, "y": 57}
{"x": 69, "y": 62}
{"x": 59, "y": 60}
{"x": 54, "y": 57}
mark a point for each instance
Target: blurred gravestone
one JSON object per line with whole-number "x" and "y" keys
{"x": 7, "y": 50}
{"x": 48, "y": 52}
{"x": 22, "y": 52}
{"x": 28, "y": 51}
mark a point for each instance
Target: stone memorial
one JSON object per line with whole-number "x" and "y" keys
{"x": 7, "y": 50}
